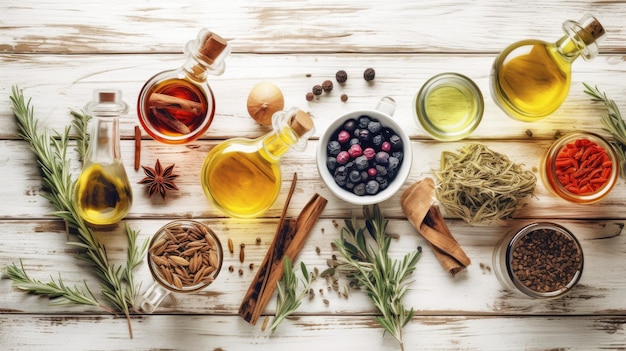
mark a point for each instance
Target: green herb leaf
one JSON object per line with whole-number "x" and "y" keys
{"x": 288, "y": 300}
{"x": 383, "y": 279}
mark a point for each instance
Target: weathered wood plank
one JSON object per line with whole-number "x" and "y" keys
{"x": 295, "y": 26}
{"x": 41, "y": 245}
{"x": 70, "y": 80}
{"x": 36, "y": 332}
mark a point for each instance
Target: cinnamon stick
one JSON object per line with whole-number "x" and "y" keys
{"x": 157, "y": 100}
{"x": 289, "y": 240}
{"x": 417, "y": 204}
{"x": 137, "y": 147}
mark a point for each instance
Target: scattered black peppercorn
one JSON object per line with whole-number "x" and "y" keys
{"x": 310, "y": 96}
{"x": 344, "y": 97}
{"x": 317, "y": 90}
{"x": 341, "y": 76}
{"x": 327, "y": 85}
{"x": 369, "y": 74}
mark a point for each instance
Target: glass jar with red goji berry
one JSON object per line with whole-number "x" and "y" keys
{"x": 580, "y": 167}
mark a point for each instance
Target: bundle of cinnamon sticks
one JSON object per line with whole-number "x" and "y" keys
{"x": 417, "y": 204}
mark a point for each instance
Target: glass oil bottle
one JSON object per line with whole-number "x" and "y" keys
{"x": 242, "y": 177}
{"x": 177, "y": 106}
{"x": 103, "y": 193}
{"x": 530, "y": 79}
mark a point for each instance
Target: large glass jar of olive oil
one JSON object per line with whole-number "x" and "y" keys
{"x": 103, "y": 194}
{"x": 531, "y": 78}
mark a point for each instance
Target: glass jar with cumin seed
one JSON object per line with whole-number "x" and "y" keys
{"x": 541, "y": 260}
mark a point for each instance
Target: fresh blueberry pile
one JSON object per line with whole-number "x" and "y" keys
{"x": 364, "y": 156}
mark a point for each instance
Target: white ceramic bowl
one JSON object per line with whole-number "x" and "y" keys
{"x": 383, "y": 112}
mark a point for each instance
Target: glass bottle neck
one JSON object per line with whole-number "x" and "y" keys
{"x": 569, "y": 48}
{"x": 275, "y": 144}
{"x": 104, "y": 145}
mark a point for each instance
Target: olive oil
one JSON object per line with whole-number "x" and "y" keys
{"x": 531, "y": 78}
{"x": 103, "y": 196}
{"x": 242, "y": 177}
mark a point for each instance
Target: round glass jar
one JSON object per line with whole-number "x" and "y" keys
{"x": 580, "y": 167}
{"x": 449, "y": 106}
{"x": 541, "y": 260}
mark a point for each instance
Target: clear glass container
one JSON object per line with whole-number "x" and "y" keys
{"x": 242, "y": 177}
{"x": 103, "y": 194}
{"x": 530, "y": 79}
{"x": 184, "y": 256}
{"x": 449, "y": 106}
{"x": 177, "y": 106}
{"x": 580, "y": 167}
{"x": 541, "y": 260}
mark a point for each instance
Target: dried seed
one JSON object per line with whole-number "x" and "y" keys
{"x": 190, "y": 251}
{"x": 157, "y": 245}
{"x": 159, "y": 261}
{"x": 242, "y": 254}
{"x": 317, "y": 250}
{"x": 212, "y": 258}
{"x": 258, "y": 240}
{"x": 231, "y": 268}
{"x": 231, "y": 247}
{"x": 240, "y": 271}
{"x": 265, "y": 322}
{"x": 251, "y": 266}
{"x": 177, "y": 281}
{"x": 326, "y": 302}
{"x": 179, "y": 261}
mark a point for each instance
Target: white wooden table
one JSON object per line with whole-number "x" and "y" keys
{"x": 59, "y": 51}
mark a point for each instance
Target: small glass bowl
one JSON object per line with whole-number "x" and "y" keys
{"x": 183, "y": 256}
{"x": 449, "y": 106}
{"x": 511, "y": 261}
{"x": 552, "y": 169}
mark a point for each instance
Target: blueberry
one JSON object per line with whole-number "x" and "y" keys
{"x": 349, "y": 185}
{"x": 340, "y": 175}
{"x": 387, "y": 133}
{"x": 393, "y": 163}
{"x": 350, "y": 125}
{"x": 396, "y": 142}
{"x": 363, "y": 121}
{"x": 381, "y": 158}
{"x": 382, "y": 182}
{"x": 331, "y": 163}
{"x": 365, "y": 175}
{"x": 359, "y": 189}
{"x": 381, "y": 170}
{"x": 374, "y": 126}
{"x": 334, "y": 147}
{"x": 355, "y": 176}
{"x": 377, "y": 140}
{"x": 361, "y": 162}
{"x": 398, "y": 154}
{"x": 364, "y": 135}
{"x": 372, "y": 187}
{"x": 354, "y": 141}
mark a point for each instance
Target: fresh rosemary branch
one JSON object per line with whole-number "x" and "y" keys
{"x": 51, "y": 152}
{"x": 613, "y": 123}
{"x": 288, "y": 300}
{"x": 383, "y": 278}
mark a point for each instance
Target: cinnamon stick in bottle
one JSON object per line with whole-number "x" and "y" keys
{"x": 417, "y": 204}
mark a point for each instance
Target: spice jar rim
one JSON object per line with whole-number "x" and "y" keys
{"x": 519, "y": 235}
{"x": 185, "y": 222}
{"x": 452, "y": 79}
{"x": 550, "y": 166}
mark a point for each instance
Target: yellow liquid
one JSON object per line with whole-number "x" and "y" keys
{"x": 103, "y": 195}
{"x": 530, "y": 80}
{"x": 240, "y": 180}
{"x": 450, "y": 109}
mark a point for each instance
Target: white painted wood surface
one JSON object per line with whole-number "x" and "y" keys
{"x": 59, "y": 51}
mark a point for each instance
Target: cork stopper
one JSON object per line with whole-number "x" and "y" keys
{"x": 301, "y": 122}
{"x": 591, "y": 29}
{"x": 107, "y": 96}
{"x": 212, "y": 46}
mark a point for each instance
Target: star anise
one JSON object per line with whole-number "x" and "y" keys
{"x": 159, "y": 180}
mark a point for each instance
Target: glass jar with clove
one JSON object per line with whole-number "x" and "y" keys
{"x": 541, "y": 260}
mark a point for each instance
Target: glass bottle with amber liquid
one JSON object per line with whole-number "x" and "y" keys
{"x": 103, "y": 194}
{"x": 242, "y": 177}
{"x": 177, "y": 106}
{"x": 531, "y": 78}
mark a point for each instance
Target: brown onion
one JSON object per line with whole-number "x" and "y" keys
{"x": 265, "y": 99}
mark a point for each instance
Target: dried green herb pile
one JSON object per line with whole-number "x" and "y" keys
{"x": 481, "y": 185}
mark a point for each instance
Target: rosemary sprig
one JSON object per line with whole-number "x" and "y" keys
{"x": 384, "y": 279}
{"x": 613, "y": 123}
{"x": 288, "y": 300}
{"x": 51, "y": 152}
